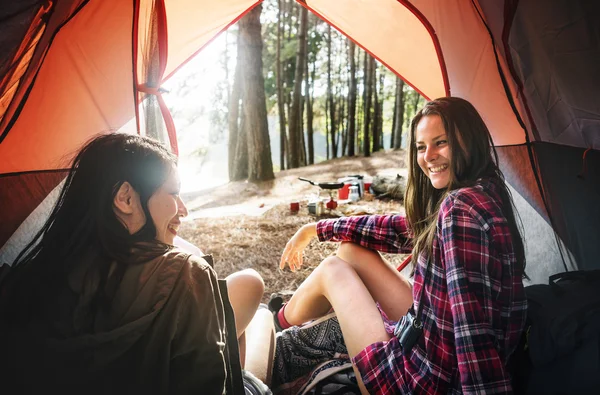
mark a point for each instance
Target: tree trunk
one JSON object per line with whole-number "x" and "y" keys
{"x": 416, "y": 105}
{"x": 330, "y": 100}
{"x": 288, "y": 80}
{"x": 260, "y": 166}
{"x": 303, "y": 97}
{"x": 301, "y": 131}
{"x": 233, "y": 121}
{"x": 368, "y": 93}
{"x": 343, "y": 129}
{"x": 309, "y": 107}
{"x": 280, "y": 96}
{"x": 352, "y": 101}
{"x": 327, "y": 129}
{"x": 296, "y": 145}
{"x": 341, "y": 84}
{"x": 360, "y": 99}
{"x": 398, "y": 115}
{"x": 380, "y": 106}
{"x": 376, "y": 109}
{"x": 394, "y": 113}
{"x": 240, "y": 164}
{"x": 289, "y": 10}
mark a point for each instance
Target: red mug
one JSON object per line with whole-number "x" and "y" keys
{"x": 343, "y": 192}
{"x": 295, "y": 207}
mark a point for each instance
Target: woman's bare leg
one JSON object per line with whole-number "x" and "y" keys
{"x": 260, "y": 345}
{"x": 336, "y": 281}
{"x": 387, "y": 285}
{"x": 245, "y": 289}
{"x": 383, "y": 282}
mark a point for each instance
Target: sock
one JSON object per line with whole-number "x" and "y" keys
{"x": 281, "y": 318}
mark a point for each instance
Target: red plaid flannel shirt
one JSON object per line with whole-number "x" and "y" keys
{"x": 474, "y": 307}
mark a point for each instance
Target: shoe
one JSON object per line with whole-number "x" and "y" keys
{"x": 274, "y": 305}
{"x": 253, "y": 385}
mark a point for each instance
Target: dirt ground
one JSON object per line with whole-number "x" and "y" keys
{"x": 246, "y": 225}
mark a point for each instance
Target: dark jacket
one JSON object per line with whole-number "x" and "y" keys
{"x": 164, "y": 334}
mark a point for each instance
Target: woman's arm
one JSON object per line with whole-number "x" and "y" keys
{"x": 385, "y": 233}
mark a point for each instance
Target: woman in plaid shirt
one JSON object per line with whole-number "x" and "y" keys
{"x": 461, "y": 228}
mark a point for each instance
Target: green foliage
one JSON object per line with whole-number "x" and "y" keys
{"x": 315, "y": 43}
{"x": 288, "y": 51}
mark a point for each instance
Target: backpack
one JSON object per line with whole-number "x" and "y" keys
{"x": 560, "y": 349}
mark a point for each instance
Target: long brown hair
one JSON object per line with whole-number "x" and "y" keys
{"x": 83, "y": 231}
{"x": 473, "y": 157}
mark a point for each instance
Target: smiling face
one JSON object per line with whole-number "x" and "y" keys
{"x": 433, "y": 150}
{"x": 167, "y": 208}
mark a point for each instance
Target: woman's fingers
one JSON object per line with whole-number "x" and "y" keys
{"x": 292, "y": 256}
{"x": 285, "y": 256}
{"x": 293, "y": 262}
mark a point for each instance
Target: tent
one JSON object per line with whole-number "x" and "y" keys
{"x": 73, "y": 68}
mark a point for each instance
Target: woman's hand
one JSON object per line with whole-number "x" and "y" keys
{"x": 292, "y": 254}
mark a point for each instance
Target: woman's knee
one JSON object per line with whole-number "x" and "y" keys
{"x": 351, "y": 252}
{"x": 248, "y": 281}
{"x": 333, "y": 268}
{"x": 348, "y": 246}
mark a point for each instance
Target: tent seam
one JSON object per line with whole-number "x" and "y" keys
{"x": 509, "y": 97}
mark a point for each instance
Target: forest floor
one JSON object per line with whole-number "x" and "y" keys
{"x": 247, "y": 225}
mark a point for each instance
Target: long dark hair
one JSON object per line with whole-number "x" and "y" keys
{"x": 473, "y": 157}
{"x": 83, "y": 229}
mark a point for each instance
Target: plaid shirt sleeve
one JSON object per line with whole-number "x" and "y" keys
{"x": 385, "y": 233}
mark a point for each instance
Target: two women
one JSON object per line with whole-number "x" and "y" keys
{"x": 102, "y": 302}
{"x": 468, "y": 301}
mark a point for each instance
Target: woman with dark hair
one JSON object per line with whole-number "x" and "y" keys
{"x": 467, "y": 308}
{"x": 101, "y": 301}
